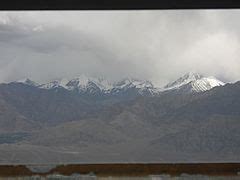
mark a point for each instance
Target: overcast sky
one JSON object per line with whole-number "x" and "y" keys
{"x": 155, "y": 45}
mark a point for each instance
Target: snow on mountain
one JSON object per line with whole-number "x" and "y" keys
{"x": 93, "y": 85}
{"x": 185, "y": 79}
{"x": 142, "y": 86}
{"x": 27, "y": 82}
{"x": 60, "y": 83}
{"x": 194, "y": 82}
{"x": 129, "y": 82}
{"x": 190, "y": 82}
{"x": 83, "y": 83}
{"x": 205, "y": 84}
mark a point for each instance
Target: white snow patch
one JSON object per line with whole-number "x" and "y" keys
{"x": 197, "y": 82}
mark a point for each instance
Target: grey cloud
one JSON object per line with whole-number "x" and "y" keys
{"x": 155, "y": 45}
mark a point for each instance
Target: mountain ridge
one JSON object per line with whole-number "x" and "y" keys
{"x": 189, "y": 82}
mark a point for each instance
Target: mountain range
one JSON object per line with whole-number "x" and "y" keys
{"x": 83, "y": 120}
{"x": 190, "y": 82}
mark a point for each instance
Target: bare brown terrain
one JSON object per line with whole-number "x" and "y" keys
{"x": 210, "y": 169}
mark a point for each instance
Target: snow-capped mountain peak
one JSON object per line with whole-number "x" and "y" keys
{"x": 206, "y": 83}
{"x": 27, "y": 82}
{"x": 130, "y": 82}
{"x": 83, "y": 82}
{"x": 58, "y": 83}
{"x": 78, "y": 82}
{"x": 194, "y": 82}
{"x": 185, "y": 79}
{"x": 143, "y": 87}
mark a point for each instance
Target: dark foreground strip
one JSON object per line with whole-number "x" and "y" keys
{"x": 115, "y": 4}
{"x": 211, "y": 169}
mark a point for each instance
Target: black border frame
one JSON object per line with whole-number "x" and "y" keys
{"x": 117, "y": 4}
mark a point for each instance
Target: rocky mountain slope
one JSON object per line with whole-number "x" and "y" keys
{"x": 83, "y": 120}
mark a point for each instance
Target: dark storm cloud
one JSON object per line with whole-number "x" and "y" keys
{"x": 155, "y": 45}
